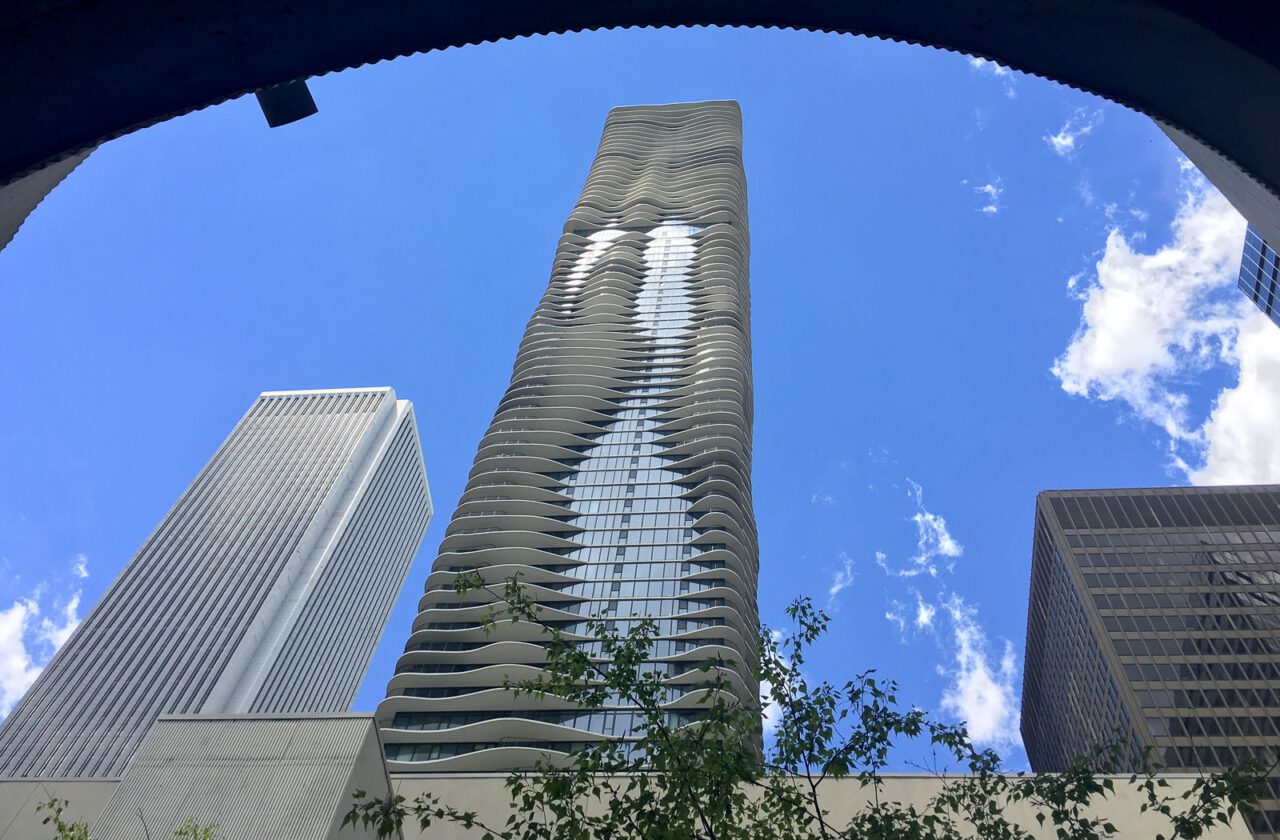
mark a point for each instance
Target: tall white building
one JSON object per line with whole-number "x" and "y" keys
{"x": 615, "y": 479}
{"x": 263, "y": 590}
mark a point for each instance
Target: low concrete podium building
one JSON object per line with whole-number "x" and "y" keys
{"x": 265, "y": 777}
{"x": 255, "y": 777}
{"x": 486, "y": 795}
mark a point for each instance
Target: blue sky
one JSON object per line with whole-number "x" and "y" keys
{"x": 968, "y": 286}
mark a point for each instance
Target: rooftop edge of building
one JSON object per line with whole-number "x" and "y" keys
{"x": 732, "y": 104}
{"x": 1187, "y": 488}
{"x": 302, "y": 392}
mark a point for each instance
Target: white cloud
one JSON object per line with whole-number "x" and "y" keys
{"x": 1242, "y": 435}
{"x": 56, "y": 634}
{"x": 988, "y": 66}
{"x": 822, "y": 497}
{"x": 842, "y": 580}
{"x": 999, "y": 71}
{"x": 894, "y": 616}
{"x": 1150, "y": 322}
{"x": 1117, "y": 218}
{"x": 1066, "y": 142}
{"x": 28, "y": 639}
{"x": 980, "y": 686}
{"x": 17, "y": 670}
{"x": 880, "y": 455}
{"x": 981, "y": 693}
{"x": 81, "y": 566}
{"x": 933, "y": 541}
{"x": 1085, "y": 190}
{"x": 772, "y": 711}
{"x": 924, "y": 613}
{"x": 923, "y": 619}
{"x": 989, "y": 195}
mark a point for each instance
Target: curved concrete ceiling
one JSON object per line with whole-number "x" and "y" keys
{"x": 78, "y": 72}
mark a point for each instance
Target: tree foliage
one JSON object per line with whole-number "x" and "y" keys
{"x": 713, "y": 779}
{"x": 64, "y": 829}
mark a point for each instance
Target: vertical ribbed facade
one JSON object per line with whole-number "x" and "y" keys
{"x": 615, "y": 479}
{"x": 265, "y": 587}
{"x": 1155, "y": 616}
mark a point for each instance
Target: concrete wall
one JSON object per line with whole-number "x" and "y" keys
{"x": 257, "y": 777}
{"x": 254, "y": 776}
{"x": 20, "y": 818}
{"x": 487, "y": 795}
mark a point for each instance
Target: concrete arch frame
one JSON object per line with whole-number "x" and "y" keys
{"x": 76, "y": 73}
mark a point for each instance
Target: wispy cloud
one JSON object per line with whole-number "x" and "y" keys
{"x": 894, "y": 615}
{"x": 1152, "y": 321}
{"x": 922, "y": 620}
{"x": 988, "y": 66}
{"x": 80, "y": 566}
{"x": 991, "y": 192}
{"x": 1085, "y": 190}
{"x": 28, "y": 638}
{"x": 980, "y": 678}
{"x": 880, "y": 455}
{"x": 933, "y": 541}
{"x": 1117, "y": 216}
{"x": 842, "y": 581}
{"x": 924, "y": 613}
{"x": 1066, "y": 141}
{"x": 822, "y": 497}
{"x": 988, "y": 195}
{"x": 981, "y": 689}
{"x": 56, "y": 633}
{"x": 999, "y": 71}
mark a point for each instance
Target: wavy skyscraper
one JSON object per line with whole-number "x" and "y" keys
{"x": 615, "y": 479}
{"x": 263, "y": 590}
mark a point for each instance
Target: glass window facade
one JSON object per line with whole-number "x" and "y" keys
{"x": 1155, "y": 615}
{"x": 1260, "y": 274}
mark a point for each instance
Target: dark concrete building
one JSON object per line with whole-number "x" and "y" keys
{"x": 1155, "y": 617}
{"x": 1260, "y": 274}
